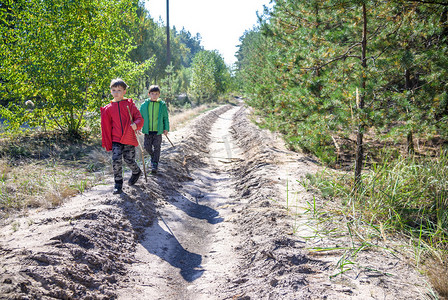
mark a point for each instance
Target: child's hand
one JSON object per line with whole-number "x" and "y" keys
{"x": 134, "y": 126}
{"x": 165, "y": 132}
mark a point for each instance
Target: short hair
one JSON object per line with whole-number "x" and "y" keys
{"x": 118, "y": 82}
{"x": 154, "y": 88}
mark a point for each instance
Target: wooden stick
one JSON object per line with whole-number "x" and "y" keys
{"x": 141, "y": 148}
{"x": 169, "y": 140}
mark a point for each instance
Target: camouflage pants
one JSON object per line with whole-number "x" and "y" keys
{"x": 153, "y": 142}
{"x": 122, "y": 152}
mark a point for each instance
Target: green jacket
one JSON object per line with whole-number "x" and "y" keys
{"x": 162, "y": 123}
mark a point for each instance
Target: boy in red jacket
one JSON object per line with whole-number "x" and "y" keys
{"x": 118, "y": 133}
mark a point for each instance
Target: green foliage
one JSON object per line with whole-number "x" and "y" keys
{"x": 61, "y": 56}
{"x": 210, "y": 77}
{"x": 174, "y": 86}
{"x": 150, "y": 39}
{"x": 170, "y": 85}
{"x": 302, "y": 68}
{"x": 184, "y": 76}
{"x": 150, "y": 43}
{"x": 190, "y": 43}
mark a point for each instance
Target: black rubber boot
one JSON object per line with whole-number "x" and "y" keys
{"x": 134, "y": 178}
{"x": 118, "y": 187}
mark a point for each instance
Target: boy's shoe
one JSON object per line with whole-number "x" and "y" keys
{"x": 154, "y": 168}
{"x": 117, "y": 189}
{"x": 134, "y": 178}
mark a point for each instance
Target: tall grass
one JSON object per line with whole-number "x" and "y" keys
{"x": 41, "y": 170}
{"x": 39, "y": 184}
{"x": 406, "y": 195}
{"x": 409, "y": 194}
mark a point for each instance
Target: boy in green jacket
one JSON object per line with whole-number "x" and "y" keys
{"x": 155, "y": 114}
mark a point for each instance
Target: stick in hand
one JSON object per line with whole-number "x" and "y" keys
{"x": 169, "y": 140}
{"x": 141, "y": 148}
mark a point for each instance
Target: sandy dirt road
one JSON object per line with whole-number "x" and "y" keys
{"x": 224, "y": 219}
{"x": 193, "y": 254}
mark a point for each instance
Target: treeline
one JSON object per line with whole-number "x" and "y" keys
{"x": 363, "y": 85}
{"x": 57, "y": 59}
{"x": 329, "y": 74}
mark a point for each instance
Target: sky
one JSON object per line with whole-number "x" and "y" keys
{"x": 219, "y": 22}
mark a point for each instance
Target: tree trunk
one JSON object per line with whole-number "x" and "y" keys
{"x": 409, "y": 138}
{"x": 407, "y": 79}
{"x": 360, "y": 134}
{"x": 410, "y": 143}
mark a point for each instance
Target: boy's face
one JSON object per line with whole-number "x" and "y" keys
{"x": 154, "y": 96}
{"x": 117, "y": 92}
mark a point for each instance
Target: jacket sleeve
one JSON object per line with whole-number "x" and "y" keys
{"x": 166, "y": 122}
{"x": 143, "y": 110}
{"x": 136, "y": 116}
{"x": 106, "y": 130}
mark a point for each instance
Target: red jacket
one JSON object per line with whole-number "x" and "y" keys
{"x": 116, "y": 124}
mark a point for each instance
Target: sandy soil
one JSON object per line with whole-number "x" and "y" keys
{"x": 225, "y": 218}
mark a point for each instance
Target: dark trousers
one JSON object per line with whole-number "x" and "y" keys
{"x": 153, "y": 141}
{"x": 122, "y": 152}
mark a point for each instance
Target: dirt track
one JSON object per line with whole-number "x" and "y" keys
{"x": 211, "y": 225}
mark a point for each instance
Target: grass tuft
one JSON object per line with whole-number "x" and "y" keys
{"x": 4, "y": 170}
{"x": 46, "y": 169}
{"x": 405, "y": 195}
